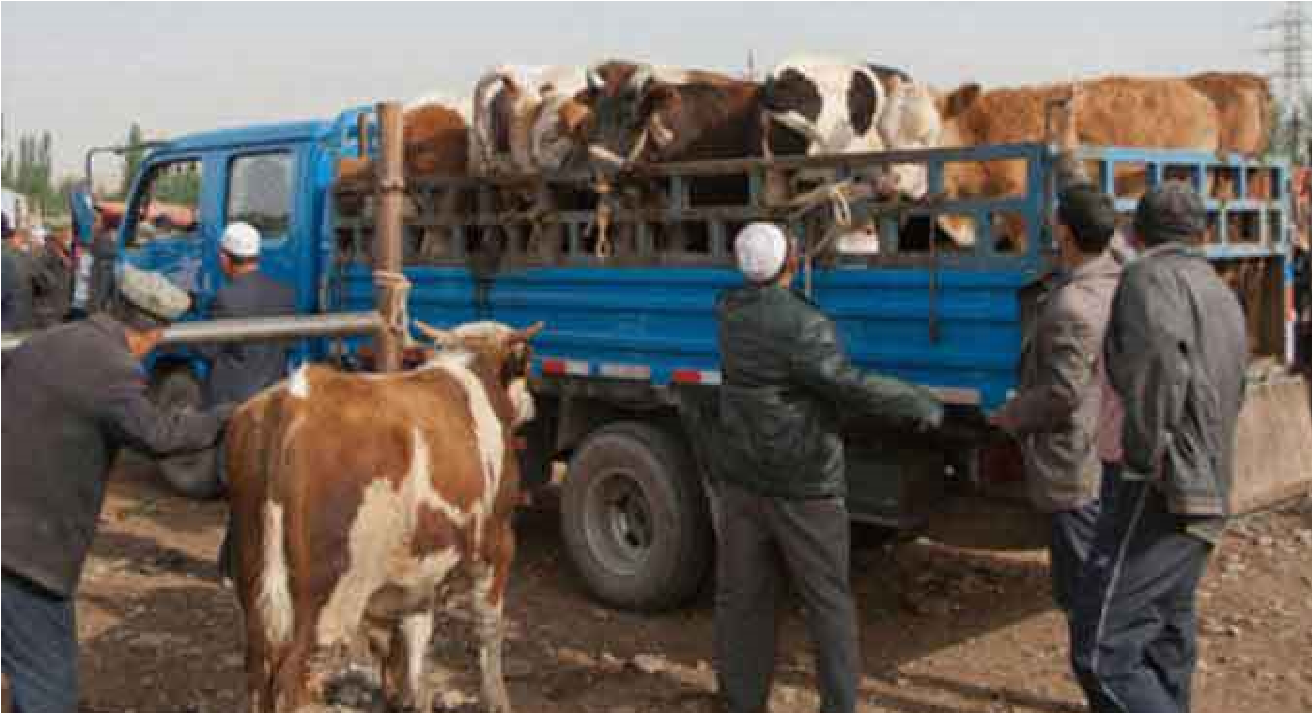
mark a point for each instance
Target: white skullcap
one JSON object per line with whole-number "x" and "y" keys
{"x": 761, "y": 249}
{"x": 241, "y": 240}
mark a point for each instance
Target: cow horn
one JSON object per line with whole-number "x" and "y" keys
{"x": 660, "y": 133}
{"x": 439, "y": 337}
{"x": 527, "y": 333}
{"x": 641, "y": 75}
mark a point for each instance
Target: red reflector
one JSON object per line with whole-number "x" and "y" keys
{"x": 553, "y": 367}
{"x": 686, "y": 376}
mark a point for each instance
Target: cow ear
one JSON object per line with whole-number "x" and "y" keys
{"x": 522, "y": 336}
{"x": 956, "y": 103}
{"x": 440, "y": 337}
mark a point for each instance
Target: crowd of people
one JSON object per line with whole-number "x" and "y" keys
{"x": 1131, "y": 381}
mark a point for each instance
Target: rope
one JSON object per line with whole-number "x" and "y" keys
{"x": 605, "y": 211}
{"x": 838, "y": 197}
{"x": 395, "y": 293}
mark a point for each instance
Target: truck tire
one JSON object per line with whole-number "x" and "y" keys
{"x": 634, "y": 518}
{"x": 192, "y": 475}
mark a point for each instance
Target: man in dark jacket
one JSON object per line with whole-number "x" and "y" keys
{"x": 239, "y": 371}
{"x": 1176, "y": 353}
{"x": 779, "y": 467}
{"x": 53, "y": 288}
{"x": 1064, "y": 413}
{"x": 73, "y": 395}
{"x": 16, "y": 283}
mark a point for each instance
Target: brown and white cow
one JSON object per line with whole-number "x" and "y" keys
{"x": 362, "y": 502}
{"x": 644, "y": 113}
{"x": 521, "y": 119}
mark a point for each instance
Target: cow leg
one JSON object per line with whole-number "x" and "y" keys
{"x": 415, "y": 632}
{"x": 489, "y": 595}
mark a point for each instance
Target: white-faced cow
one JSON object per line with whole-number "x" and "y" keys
{"x": 815, "y": 106}
{"x": 362, "y": 502}
{"x": 521, "y": 122}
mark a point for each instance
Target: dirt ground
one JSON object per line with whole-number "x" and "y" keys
{"x": 943, "y": 630}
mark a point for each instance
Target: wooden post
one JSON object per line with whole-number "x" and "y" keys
{"x": 389, "y": 288}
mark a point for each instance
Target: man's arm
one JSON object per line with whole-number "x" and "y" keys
{"x": 818, "y": 362}
{"x": 1147, "y": 353}
{"x": 1069, "y": 352}
{"x": 131, "y": 418}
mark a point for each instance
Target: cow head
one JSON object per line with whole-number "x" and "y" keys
{"x": 498, "y": 354}
{"x": 560, "y": 129}
{"x": 614, "y": 92}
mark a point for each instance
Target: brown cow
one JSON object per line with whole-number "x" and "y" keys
{"x": 1244, "y": 108}
{"x": 436, "y": 142}
{"x": 360, "y": 501}
{"x": 1113, "y": 111}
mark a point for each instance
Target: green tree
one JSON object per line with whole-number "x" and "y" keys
{"x": 132, "y": 158}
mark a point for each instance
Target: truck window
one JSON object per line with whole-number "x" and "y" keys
{"x": 259, "y": 192}
{"x": 168, "y": 206}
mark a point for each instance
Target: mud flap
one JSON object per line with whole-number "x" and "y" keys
{"x": 1273, "y": 453}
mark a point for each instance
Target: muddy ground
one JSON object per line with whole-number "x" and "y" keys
{"x": 944, "y": 630}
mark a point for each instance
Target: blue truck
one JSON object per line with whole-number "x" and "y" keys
{"x": 628, "y": 358}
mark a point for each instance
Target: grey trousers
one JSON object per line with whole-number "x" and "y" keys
{"x": 762, "y": 540}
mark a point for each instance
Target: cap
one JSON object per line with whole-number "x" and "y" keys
{"x": 1088, "y": 212}
{"x": 152, "y": 293}
{"x": 241, "y": 240}
{"x": 1171, "y": 211}
{"x": 761, "y": 249}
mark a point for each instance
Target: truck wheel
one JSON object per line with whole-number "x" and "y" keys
{"x": 634, "y": 517}
{"x": 192, "y": 475}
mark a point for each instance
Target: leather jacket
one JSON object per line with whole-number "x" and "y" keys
{"x": 787, "y": 385}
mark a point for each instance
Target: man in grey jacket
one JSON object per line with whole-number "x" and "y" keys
{"x": 1176, "y": 351}
{"x": 74, "y": 395}
{"x": 1063, "y": 413}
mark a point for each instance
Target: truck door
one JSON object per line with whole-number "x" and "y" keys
{"x": 258, "y": 189}
{"x": 163, "y": 227}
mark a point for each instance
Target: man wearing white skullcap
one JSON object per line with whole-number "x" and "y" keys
{"x": 238, "y": 371}
{"x": 779, "y": 473}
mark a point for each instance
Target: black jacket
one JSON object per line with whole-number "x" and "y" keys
{"x": 239, "y": 371}
{"x": 53, "y": 287}
{"x": 786, "y": 385}
{"x": 1176, "y": 353}
{"x": 73, "y": 395}
{"x": 18, "y": 275}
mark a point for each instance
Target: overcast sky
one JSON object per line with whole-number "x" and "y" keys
{"x": 86, "y": 71}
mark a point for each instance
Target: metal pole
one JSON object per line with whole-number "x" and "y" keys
{"x": 257, "y": 328}
{"x": 389, "y": 292}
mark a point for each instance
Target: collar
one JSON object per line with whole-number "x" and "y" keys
{"x": 1104, "y": 265}
{"x": 1173, "y": 246}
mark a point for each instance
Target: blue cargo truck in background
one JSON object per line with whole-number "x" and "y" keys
{"x": 628, "y": 363}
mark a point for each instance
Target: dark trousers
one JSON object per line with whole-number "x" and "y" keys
{"x": 1134, "y": 625}
{"x": 762, "y": 540}
{"x": 1072, "y": 537}
{"x": 39, "y": 648}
